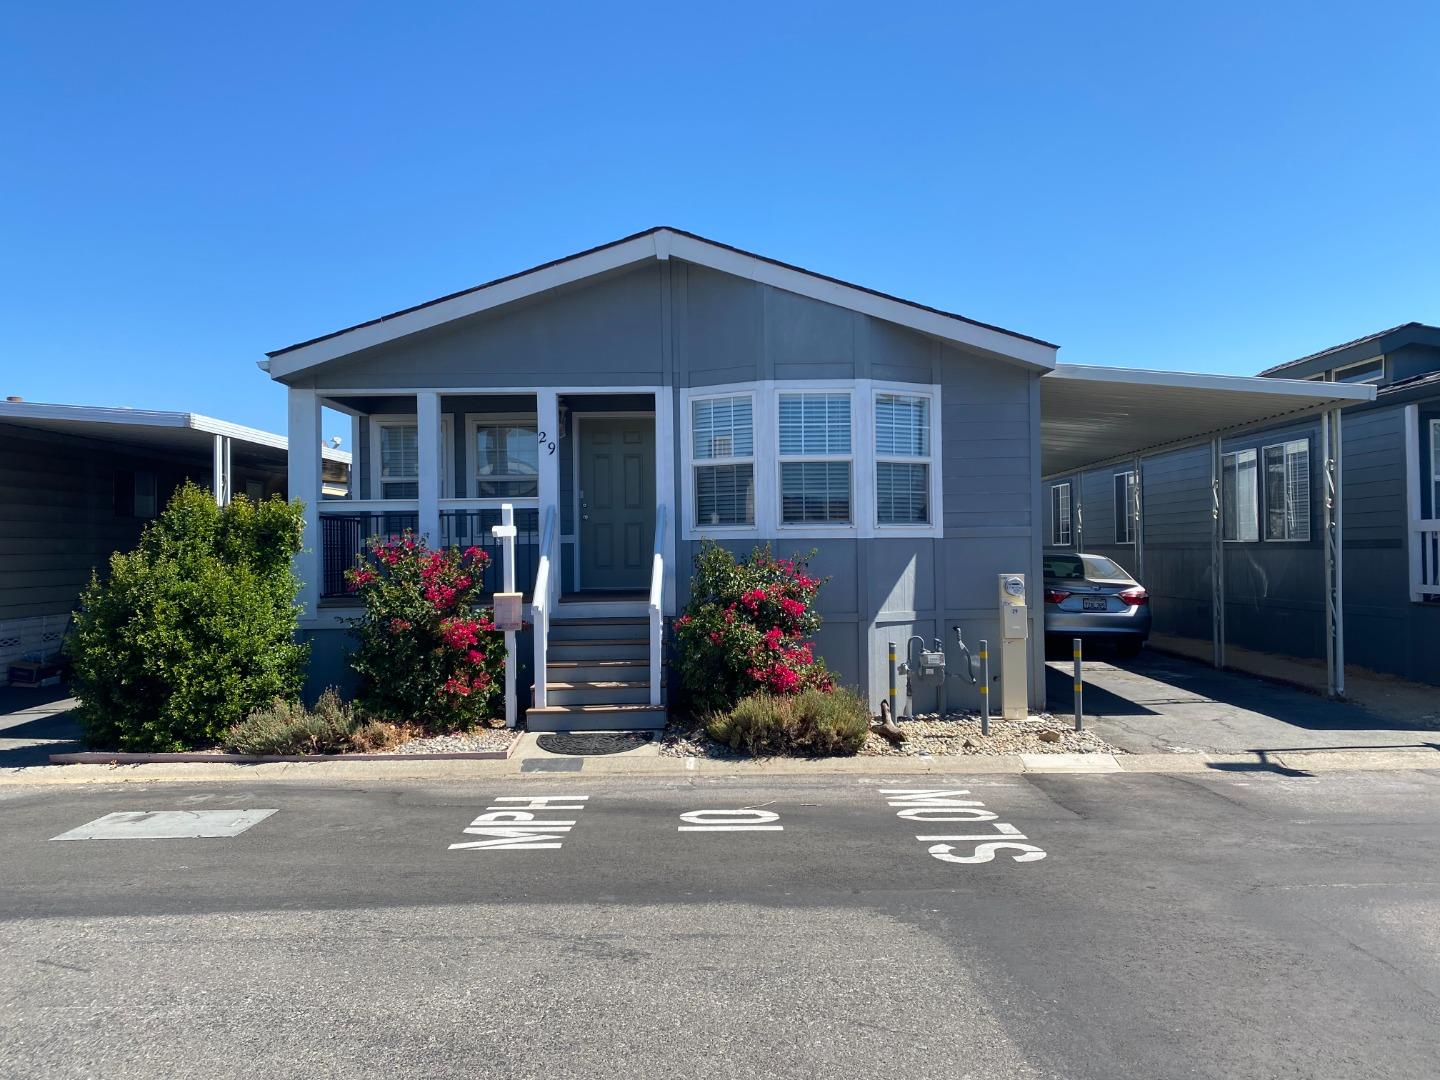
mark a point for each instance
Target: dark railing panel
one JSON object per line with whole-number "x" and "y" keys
{"x": 462, "y": 528}
{"x": 343, "y": 536}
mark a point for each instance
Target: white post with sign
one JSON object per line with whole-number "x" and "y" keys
{"x": 1014, "y": 659}
{"x": 507, "y": 606}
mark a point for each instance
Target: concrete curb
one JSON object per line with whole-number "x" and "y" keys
{"x": 401, "y": 767}
{"x": 99, "y": 757}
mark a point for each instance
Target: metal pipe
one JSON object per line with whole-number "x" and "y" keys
{"x": 893, "y": 714}
{"x": 1217, "y": 553}
{"x": 1079, "y": 687}
{"x": 984, "y": 687}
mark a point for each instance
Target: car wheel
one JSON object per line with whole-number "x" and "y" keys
{"x": 1130, "y": 647}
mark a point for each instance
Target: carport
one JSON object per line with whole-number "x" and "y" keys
{"x": 1095, "y": 418}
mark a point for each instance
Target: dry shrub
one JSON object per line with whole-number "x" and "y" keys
{"x": 814, "y": 723}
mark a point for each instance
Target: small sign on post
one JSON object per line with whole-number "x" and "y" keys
{"x": 509, "y": 611}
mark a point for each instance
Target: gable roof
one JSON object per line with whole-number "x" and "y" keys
{"x": 1410, "y": 329}
{"x": 661, "y": 243}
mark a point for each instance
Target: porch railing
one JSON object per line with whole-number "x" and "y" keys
{"x": 343, "y": 535}
{"x": 1424, "y": 558}
{"x": 657, "y": 594}
{"x": 543, "y": 602}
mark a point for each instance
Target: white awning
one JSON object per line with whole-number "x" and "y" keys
{"x": 1092, "y": 416}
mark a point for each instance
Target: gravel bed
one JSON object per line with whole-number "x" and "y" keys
{"x": 957, "y": 735}
{"x": 464, "y": 742}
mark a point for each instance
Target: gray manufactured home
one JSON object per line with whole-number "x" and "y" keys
{"x": 637, "y": 398}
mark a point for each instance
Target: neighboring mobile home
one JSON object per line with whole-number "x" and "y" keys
{"x": 634, "y": 399}
{"x": 78, "y": 483}
{"x": 1271, "y": 502}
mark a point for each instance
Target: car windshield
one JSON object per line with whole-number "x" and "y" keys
{"x": 1097, "y": 566}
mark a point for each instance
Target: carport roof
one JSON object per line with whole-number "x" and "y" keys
{"x": 1091, "y": 416}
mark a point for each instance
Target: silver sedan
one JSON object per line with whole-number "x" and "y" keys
{"x": 1092, "y": 597}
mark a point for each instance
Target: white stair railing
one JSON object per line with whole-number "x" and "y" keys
{"x": 541, "y": 605}
{"x": 657, "y": 593}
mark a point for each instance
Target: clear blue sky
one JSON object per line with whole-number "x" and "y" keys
{"x": 1206, "y": 187}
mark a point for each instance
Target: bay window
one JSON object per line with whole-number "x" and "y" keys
{"x": 816, "y": 461}
{"x": 722, "y": 433}
{"x": 902, "y": 459}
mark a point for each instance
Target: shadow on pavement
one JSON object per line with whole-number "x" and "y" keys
{"x": 36, "y": 722}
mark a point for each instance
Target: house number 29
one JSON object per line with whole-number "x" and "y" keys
{"x": 549, "y": 446}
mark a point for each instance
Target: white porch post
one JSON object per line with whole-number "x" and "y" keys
{"x": 427, "y": 434}
{"x": 547, "y": 415}
{"x": 303, "y": 466}
{"x": 222, "y": 481}
{"x": 1139, "y": 512}
{"x": 354, "y": 478}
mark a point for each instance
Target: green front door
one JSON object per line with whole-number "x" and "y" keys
{"x": 617, "y": 501}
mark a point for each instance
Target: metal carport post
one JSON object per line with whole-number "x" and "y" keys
{"x": 1217, "y": 554}
{"x": 1331, "y": 525}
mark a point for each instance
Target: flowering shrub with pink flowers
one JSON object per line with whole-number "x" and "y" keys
{"x": 745, "y": 629}
{"x": 428, "y": 653}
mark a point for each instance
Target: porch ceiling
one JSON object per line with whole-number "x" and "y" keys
{"x": 1090, "y": 416}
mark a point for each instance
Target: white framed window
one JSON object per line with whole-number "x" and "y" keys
{"x": 395, "y": 457}
{"x": 722, "y": 449}
{"x": 1060, "y": 531}
{"x": 1435, "y": 468}
{"x": 815, "y": 438}
{"x": 1366, "y": 371}
{"x": 1125, "y": 507}
{"x": 904, "y": 445}
{"x": 1287, "y": 490}
{"x": 1239, "y": 496}
{"x": 502, "y": 454}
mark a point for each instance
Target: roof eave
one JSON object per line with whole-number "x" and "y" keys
{"x": 660, "y": 244}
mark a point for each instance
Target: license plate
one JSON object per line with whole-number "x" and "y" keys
{"x": 1095, "y": 603}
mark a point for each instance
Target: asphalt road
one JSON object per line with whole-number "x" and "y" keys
{"x": 1235, "y": 925}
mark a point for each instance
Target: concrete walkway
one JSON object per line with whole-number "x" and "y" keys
{"x": 1166, "y": 704}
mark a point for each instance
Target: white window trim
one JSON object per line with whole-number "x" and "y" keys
{"x": 813, "y": 528}
{"x": 473, "y": 423}
{"x": 1435, "y": 469}
{"x": 1378, "y": 377}
{"x": 1129, "y": 538}
{"x": 759, "y": 451}
{"x": 1056, "y": 539}
{"x": 936, "y": 525}
{"x": 1262, "y": 494}
{"x": 1259, "y": 479}
{"x": 446, "y": 460}
{"x": 764, "y": 395}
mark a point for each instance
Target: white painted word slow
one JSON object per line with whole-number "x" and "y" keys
{"x": 730, "y": 821}
{"x": 523, "y": 823}
{"x": 913, "y": 804}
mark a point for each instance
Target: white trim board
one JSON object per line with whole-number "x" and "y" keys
{"x": 661, "y": 244}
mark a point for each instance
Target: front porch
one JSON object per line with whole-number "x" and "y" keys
{"x": 590, "y": 487}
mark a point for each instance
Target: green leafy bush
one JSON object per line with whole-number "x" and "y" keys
{"x": 813, "y": 723}
{"x": 744, "y": 629}
{"x": 427, "y": 653}
{"x": 193, "y": 629}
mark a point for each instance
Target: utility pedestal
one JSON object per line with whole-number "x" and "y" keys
{"x": 1014, "y": 638}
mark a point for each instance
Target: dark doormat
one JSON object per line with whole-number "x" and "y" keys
{"x": 608, "y": 743}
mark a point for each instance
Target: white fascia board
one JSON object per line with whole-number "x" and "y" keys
{"x": 152, "y": 418}
{"x": 471, "y": 303}
{"x": 1339, "y": 393}
{"x": 946, "y": 327}
{"x": 662, "y": 245}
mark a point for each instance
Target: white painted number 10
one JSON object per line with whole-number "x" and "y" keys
{"x": 730, "y": 821}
